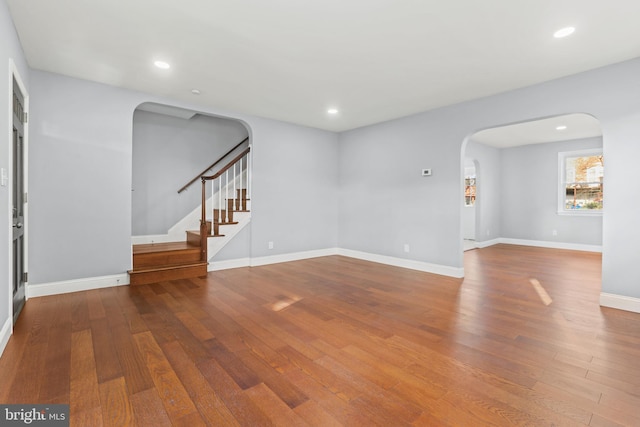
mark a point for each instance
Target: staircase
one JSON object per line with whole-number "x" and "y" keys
{"x": 156, "y": 262}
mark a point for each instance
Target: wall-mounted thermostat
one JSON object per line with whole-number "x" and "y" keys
{"x": 426, "y": 172}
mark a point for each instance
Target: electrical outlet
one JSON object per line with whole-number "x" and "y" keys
{"x": 554, "y": 232}
{"x": 270, "y": 245}
{"x": 406, "y": 247}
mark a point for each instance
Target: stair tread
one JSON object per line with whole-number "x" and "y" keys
{"x": 162, "y": 247}
{"x": 197, "y": 232}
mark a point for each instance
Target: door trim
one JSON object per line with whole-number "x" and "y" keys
{"x": 15, "y": 74}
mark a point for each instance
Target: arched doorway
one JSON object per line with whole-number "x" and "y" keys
{"x": 522, "y": 183}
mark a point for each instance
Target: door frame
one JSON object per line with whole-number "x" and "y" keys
{"x": 15, "y": 74}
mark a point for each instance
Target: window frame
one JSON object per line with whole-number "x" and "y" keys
{"x": 562, "y": 157}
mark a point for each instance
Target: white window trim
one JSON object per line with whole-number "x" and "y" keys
{"x": 562, "y": 156}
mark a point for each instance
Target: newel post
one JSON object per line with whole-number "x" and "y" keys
{"x": 203, "y": 223}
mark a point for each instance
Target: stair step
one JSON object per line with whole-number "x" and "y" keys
{"x": 167, "y": 272}
{"x": 163, "y": 254}
{"x": 155, "y": 262}
{"x": 195, "y": 234}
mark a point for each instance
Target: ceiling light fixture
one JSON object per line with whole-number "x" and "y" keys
{"x": 561, "y": 127}
{"x": 564, "y": 32}
{"x": 195, "y": 91}
{"x": 162, "y": 65}
{"x": 332, "y": 111}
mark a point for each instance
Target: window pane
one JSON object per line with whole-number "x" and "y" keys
{"x": 583, "y": 182}
{"x": 583, "y": 197}
{"x": 584, "y": 169}
{"x": 470, "y": 191}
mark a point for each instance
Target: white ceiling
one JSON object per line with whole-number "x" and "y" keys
{"x": 573, "y": 126}
{"x": 291, "y": 60}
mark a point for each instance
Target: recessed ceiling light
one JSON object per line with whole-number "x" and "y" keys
{"x": 332, "y": 111}
{"x": 561, "y": 127}
{"x": 195, "y": 91}
{"x": 564, "y": 32}
{"x": 161, "y": 64}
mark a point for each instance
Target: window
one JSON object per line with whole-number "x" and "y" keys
{"x": 469, "y": 186}
{"x": 581, "y": 187}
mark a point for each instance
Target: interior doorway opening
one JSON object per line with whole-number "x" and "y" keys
{"x": 18, "y": 177}
{"x": 470, "y": 200}
{"x": 523, "y": 182}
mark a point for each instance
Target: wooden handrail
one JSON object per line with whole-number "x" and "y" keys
{"x": 203, "y": 213}
{"x": 228, "y": 166}
{"x": 212, "y": 166}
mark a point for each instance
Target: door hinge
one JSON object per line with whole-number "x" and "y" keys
{"x": 25, "y": 277}
{"x": 25, "y": 119}
{"x": 26, "y": 197}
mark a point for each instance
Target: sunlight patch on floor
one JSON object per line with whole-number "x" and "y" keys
{"x": 544, "y": 296}
{"x": 284, "y": 303}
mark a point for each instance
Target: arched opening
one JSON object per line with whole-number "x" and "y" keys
{"x": 191, "y": 187}
{"x": 526, "y": 192}
{"x": 171, "y": 146}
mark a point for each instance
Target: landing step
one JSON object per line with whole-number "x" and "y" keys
{"x": 143, "y": 276}
{"x": 155, "y": 262}
{"x": 154, "y": 255}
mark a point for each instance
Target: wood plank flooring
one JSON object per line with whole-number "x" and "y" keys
{"x": 337, "y": 341}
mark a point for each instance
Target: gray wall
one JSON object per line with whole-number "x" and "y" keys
{"x": 530, "y": 195}
{"x": 294, "y": 192}
{"x": 489, "y": 175}
{"x": 80, "y": 179}
{"x": 167, "y": 153}
{"x": 81, "y": 171}
{"x": 384, "y": 202}
{"x": 294, "y": 188}
{"x": 9, "y": 49}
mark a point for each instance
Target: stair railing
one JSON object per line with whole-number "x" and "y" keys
{"x": 234, "y": 176}
{"x": 188, "y": 184}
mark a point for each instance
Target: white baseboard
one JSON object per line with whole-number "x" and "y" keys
{"x": 66, "y": 286}
{"x": 551, "y": 245}
{"x": 426, "y": 267}
{"x": 225, "y": 265}
{"x": 5, "y": 334}
{"x": 295, "y": 256}
{"x": 274, "y": 259}
{"x": 153, "y": 238}
{"x": 620, "y": 302}
{"x": 54, "y": 288}
{"x": 487, "y": 243}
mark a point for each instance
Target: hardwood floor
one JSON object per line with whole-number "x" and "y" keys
{"x": 338, "y": 341}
